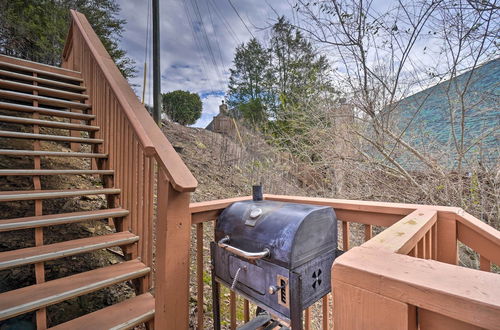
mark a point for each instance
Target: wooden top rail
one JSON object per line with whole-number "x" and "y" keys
{"x": 153, "y": 141}
{"x": 364, "y": 206}
{"x": 210, "y": 210}
{"x": 482, "y": 238}
{"x": 365, "y": 212}
{"x": 404, "y": 234}
{"x": 469, "y": 295}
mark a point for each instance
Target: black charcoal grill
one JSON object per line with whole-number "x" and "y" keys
{"x": 277, "y": 255}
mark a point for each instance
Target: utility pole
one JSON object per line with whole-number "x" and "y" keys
{"x": 156, "y": 63}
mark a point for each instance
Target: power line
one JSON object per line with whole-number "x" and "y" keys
{"x": 241, "y": 19}
{"x": 197, "y": 41}
{"x": 207, "y": 41}
{"x": 228, "y": 27}
{"x": 217, "y": 43}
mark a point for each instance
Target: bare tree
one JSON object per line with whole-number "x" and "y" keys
{"x": 384, "y": 53}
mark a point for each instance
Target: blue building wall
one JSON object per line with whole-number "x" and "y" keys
{"x": 426, "y": 115}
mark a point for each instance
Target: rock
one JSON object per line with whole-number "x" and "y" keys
{"x": 90, "y": 229}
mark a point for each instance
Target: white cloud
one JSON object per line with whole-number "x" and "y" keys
{"x": 210, "y": 109}
{"x": 185, "y": 60}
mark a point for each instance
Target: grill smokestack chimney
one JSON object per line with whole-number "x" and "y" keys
{"x": 257, "y": 193}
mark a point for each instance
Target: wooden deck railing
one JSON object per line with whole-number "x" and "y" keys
{"x": 403, "y": 278}
{"x": 147, "y": 170}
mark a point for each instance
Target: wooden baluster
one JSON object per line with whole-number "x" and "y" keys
{"x": 199, "y": 274}
{"x": 421, "y": 248}
{"x": 413, "y": 252}
{"x": 434, "y": 242}
{"x": 325, "y": 310}
{"x": 484, "y": 264}
{"x": 150, "y": 191}
{"x": 307, "y": 318}
{"x": 246, "y": 310}
{"x": 136, "y": 181}
{"x": 428, "y": 244}
{"x": 345, "y": 235}
{"x": 41, "y": 316}
{"x": 232, "y": 306}
{"x": 142, "y": 226}
{"x": 368, "y": 232}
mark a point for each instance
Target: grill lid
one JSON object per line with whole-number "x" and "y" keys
{"x": 293, "y": 233}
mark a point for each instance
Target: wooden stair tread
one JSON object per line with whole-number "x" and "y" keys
{"x": 8, "y": 196}
{"x": 27, "y": 299}
{"x": 44, "y": 81}
{"x": 49, "y": 137}
{"x": 47, "y": 91}
{"x": 5, "y": 172}
{"x": 43, "y": 100}
{"x": 58, "y": 219}
{"x": 45, "y": 111}
{"x": 14, "y": 152}
{"x": 26, "y": 256}
{"x": 124, "y": 315}
{"x": 47, "y": 123}
{"x": 3, "y": 63}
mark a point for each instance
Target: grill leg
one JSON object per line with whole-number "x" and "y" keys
{"x": 215, "y": 291}
{"x": 295, "y": 301}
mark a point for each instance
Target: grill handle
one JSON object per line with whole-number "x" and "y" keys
{"x": 223, "y": 243}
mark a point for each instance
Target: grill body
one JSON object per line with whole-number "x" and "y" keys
{"x": 301, "y": 241}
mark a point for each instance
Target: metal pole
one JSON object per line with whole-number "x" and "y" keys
{"x": 156, "y": 63}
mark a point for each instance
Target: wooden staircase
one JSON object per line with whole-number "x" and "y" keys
{"x": 36, "y": 97}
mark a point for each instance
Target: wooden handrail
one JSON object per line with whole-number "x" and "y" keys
{"x": 404, "y": 234}
{"x": 206, "y": 211}
{"x": 482, "y": 238}
{"x": 149, "y": 134}
{"x": 154, "y": 181}
{"x": 464, "y": 294}
{"x": 363, "y": 206}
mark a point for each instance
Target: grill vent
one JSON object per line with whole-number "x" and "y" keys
{"x": 316, "y": 279}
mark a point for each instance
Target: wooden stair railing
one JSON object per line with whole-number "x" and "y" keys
{"x": 154, "y": 181}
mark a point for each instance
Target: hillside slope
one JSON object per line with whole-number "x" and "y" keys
{"x": 227, "y": 167}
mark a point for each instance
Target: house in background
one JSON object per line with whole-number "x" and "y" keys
{"x": 432, "y": 119}
{"x": 223, "y": 123}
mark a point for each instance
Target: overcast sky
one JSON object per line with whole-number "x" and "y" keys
{"x": 198, "y": 39}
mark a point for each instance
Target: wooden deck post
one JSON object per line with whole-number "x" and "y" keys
{"x": 172, "y": 254}
{"x": 447, "y": 238}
